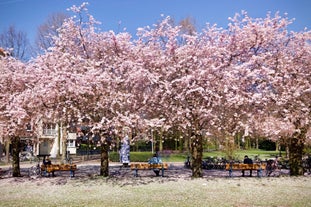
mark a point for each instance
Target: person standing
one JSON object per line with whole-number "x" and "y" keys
{"x": 125, "y": 152}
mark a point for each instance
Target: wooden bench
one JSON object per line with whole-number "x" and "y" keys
{"x": 146, "y": 166}
{"x": 259, "y": 167}
{"x": 59, "y": 167}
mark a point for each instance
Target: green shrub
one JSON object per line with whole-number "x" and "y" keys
{"x": 267, "y": 145}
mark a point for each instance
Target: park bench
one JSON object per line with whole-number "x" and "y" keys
{"x": 51, "y": 168}
{"x": 147, "y": 166}
{"x": 259, "y": 167}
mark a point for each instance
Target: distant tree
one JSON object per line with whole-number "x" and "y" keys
{"x": 48, "y": 30}
{"x": 188, "y": 26}
{"x": 14, "y": 42}
{"x": 3, "y": 53}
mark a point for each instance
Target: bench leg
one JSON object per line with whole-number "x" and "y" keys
{"x": 259, "y": 172}
{"x": 230, "y": 173}
{"x": 136, "y": 173}
{"x": 72, "y": 173}
{"x": 162, "y": 172}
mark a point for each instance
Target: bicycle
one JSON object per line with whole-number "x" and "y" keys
{"x": 35, "y": 171}
{"x": 306, "y": 164}
{"x": 68, "y": 159}
{"x": 272, "y": 167}
{"x": 26, "y": 156}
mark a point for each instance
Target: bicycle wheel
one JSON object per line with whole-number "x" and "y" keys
{"x": 34, "y": 171}
{"x": 268, "y": 170}
{"x": 68, "y": 161}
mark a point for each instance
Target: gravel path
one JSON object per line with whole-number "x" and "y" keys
{"x": 119, "y": 175}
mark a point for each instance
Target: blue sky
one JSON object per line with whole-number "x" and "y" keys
{"x": 27, "y": 15}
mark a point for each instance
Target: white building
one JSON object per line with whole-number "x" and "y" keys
{"x": 49, "y": 140}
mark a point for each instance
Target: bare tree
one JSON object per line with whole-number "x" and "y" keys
{"x": 14, "y": 42}
{"x": 188, "y": 25}
{"x": 49, "y": 29}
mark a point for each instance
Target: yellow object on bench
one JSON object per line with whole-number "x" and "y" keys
{"x": 147, "y": 166}
{"x": 59, "y": 167}
{"x": 240, "y": 166}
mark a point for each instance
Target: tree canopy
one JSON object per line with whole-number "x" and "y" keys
{"x": 252, "y": 77}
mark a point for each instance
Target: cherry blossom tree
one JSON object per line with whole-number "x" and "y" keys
{"x": 14, "y": 113}
{"x": 273, "y": 66}
{"x": 82, "y": 77}
{"x": 171, "y": 91}
{"x": 220, "y": 79}
{"x": 219, "y": 82}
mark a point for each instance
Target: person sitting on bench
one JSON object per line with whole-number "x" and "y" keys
{"x": 247, "y": 160}
{"x": 47, "y": 161}
{"x": 155, "y": 160}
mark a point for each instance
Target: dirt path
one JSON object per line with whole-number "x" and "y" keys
{"x": 119, "y": 175}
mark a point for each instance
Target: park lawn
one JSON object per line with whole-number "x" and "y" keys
{"x": 181, "y": 157}
{"x": 281, "y": 191}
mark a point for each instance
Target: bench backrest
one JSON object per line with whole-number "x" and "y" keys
{"x": 55, "y": 167}
{"x": 241, "y": 166}
{"x": 146, "y": 166}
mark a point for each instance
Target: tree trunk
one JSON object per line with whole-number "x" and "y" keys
{"x": 59, "y": 139}
{"x": 295, "y": 156}
{"x": 238, "y": 140}
{"x": 161, "y": 141}
{"x": 15, "y": 155}
{"x": 1, "y": 149}
{"x": 287, "y": 151}
{"x": 104, "y": 160}
{"x": 7, "y": 152}
{"x": 296, "y": 147}
{"x": 277, "y": 146}
{"x": 196, "y": 155}
{"x": 186, "y": 144}
{"x": 64, "y": 142}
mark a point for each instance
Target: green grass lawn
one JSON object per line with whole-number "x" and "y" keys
{"x": 181, "y": 157}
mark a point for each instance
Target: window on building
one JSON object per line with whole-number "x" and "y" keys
{"x": 71, "y": 143}
{"x": 49, "y": 129}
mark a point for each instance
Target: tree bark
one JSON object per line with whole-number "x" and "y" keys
{"x": 197, "y": 154}
{"x": 59, "y": 139}
{"x": 15, "y": 155}
{"x": 287, "y": 151}
{"x": 296, "y": 147}
{"x": 295, "y": 156}
{"x": 7, "y": 152}
{"x": 64, "y": 142}
{"x": 104, "y": 160}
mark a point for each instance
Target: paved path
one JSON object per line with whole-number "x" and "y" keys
{"x": 91, "y": 168}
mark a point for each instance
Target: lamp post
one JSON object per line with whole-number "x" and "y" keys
{"x": 152, "y": 141}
